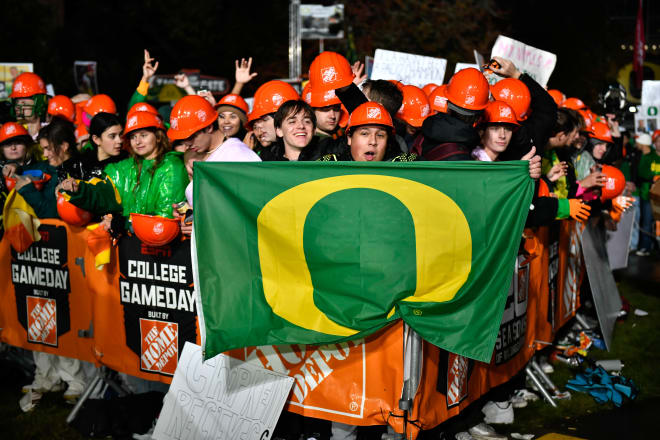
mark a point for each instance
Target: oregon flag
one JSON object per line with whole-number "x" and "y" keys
{"x": 319, "y": 252}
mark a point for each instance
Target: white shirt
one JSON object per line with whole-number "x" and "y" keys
{"x": 232, "y": 150}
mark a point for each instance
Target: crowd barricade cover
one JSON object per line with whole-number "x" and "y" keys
{"x": 140, "y": 310}
{"x": 144, "y": 308}
{"x": 43, "y": 291}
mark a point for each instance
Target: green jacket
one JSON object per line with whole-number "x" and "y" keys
{"x": 157, "y": 189}
{"x": 649, "y": 166}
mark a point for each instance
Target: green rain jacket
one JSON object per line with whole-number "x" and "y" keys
{"x": 156, "y": 190}
{"x": 154, "y": 194}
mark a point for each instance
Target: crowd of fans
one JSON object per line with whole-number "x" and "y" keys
{"x": 111, "y": 167}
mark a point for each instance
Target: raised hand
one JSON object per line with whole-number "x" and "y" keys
{"x": 243, "y": 74}
{"x": 534, "y": 163}
{"x": 148, "y": 68}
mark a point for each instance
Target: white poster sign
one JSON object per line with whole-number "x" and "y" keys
{"x": 408, "y": 68}
{"x": 461, "y": 66}
{"x": 221, "y": 398}
{"x": 537, "y": 63}
{"x": 651, "y": 93}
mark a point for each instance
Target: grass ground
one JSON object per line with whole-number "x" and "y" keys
{"x": 636, "y": 342}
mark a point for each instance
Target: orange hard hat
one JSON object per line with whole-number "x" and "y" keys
{"x": 10, "y": 183}
{"x": 655, "y": 135}
{"x": 70, "y": 213}
{"x": 143, "y": 107}
{"x": 11, "y": 130}
{"x": 60, "y": 105}
{"x": 307, "y": 93}
{"x": 438, "y": 99}
{"x": 189, "y": 115}
{"x": 429, "y": 88}
{"x": 588, "y": 121}
{"x": 370, "y": 113}
{"x": 81, "y": 132}
{"x": 270, "y": 96}
{"x": 39, "y": 183}
{"x": 557, "y": 96}
{"x": 515, "y": 93}
{"x": 468, "y": 89}
{"x": 415, "y": 107}
{"x": 28, "y": 84}
{"x": 318, "y": 98}
{"x": 139, "y": 120}
{"x": 499, "y": 112}
{"x": 234, "y": 100}
{"x": 153, "y": 230}
{"x": 330, "y": 71}
{"x": 601, "y": 131}
{"x": 100, "y": 103}
{"x": 615, "y": 183}
{"x": 574, "y": 103}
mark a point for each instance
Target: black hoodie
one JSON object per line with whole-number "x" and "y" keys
{"x": 445, "y": 137}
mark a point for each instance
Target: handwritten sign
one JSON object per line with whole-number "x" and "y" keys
{"x": 221, "y": 398}
{"x": 408, "y": 68}
{"x": 537, "y": 63}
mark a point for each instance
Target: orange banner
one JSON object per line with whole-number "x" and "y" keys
{"x": 144, "y": 308}
{"x": 141, "y": 308}
{"x": 43, "y": 291}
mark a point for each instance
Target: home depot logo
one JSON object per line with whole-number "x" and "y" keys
{"x": 329, "y": 74}
{"x": 160, "y": 346}
{"x": 457, "y": 379}
{"x": 42, "y": 320}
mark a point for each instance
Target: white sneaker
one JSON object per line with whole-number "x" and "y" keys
{"x": 642, "y": 253}
{"x": 498, "y": 412}
{"x": 463, "y": 436}
{"x": 485, "y": 432}
{"x": 29, "y": 401}
{"x": 545, "y": 366}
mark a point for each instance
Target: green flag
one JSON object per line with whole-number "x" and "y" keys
{"x": 319, "y": 252}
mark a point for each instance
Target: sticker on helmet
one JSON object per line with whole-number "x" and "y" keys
{"x": 18, "y": 85}
{"x": 277, "y": 99}
{"x": 174, "y": 123}
{"x": 439, "y": 101}
{"x": 330, "y": 94}
{"x": 10, "y": 129}
{"x": 329, "y": 74}
{"x": 373, "y": 113}
{"x": 201, "y": 115}
{"x": 158, "y": 228}
{"x": 425, "y": 110}
{"x": 230, "y": 98}
{"x": 132, "y": 122}
{"x": 505, "y": 112}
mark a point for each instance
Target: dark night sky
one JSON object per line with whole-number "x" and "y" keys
{"x": 209, "y": 35}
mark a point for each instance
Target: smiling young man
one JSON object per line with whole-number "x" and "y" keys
{"x": 295, "y": 124}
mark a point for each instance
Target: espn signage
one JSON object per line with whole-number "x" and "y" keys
{"x": 40, "y": 276}
{"x": 156, "y": 292}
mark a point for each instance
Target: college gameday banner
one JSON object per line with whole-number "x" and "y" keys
{"x": 43, "y": 291}
{"x": 144, "y": 308}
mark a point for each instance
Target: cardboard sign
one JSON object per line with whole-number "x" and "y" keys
{"x": 408, "y": 68}
{"x": 537, "y": 63}
{"x": 221, "y": 398}
{"x": 461, "y": 66}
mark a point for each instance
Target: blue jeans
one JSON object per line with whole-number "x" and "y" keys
{"x": 646, "y": 230}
